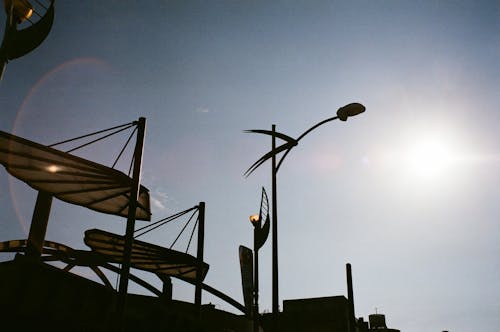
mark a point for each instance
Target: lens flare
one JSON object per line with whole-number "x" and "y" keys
{"x": 26, "y": 115}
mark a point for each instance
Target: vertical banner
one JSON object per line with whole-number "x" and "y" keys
{"x": 246, "y": 266}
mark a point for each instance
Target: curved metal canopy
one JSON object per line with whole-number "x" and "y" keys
{"x": 70, "y": 178}
{"x": 58, "y": 252}
{"x": 145, "y": 256}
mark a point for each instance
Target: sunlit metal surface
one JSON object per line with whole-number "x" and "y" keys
{"x": 70, "y": 178}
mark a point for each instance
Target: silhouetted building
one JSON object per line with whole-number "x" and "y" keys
{"x": 323, "y": 314}
{"x": 315, "y": 314}
{"x": 376, "y": 323}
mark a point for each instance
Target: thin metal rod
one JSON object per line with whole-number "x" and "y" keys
{"x": 130, "y": 124}
{"x": 183, "y": 229}
{"x": 129, "y": 233}
{"x": 315, "y": 126}
{"x": 199, "y": 255}
{"x": 3, "y": 65}
{"x": 192, "y": 233}
{"x": 124, "y": 147}
{"x": 98, "y": 139}
{"x": 224, "y": 297}
{"x": 41, "y": 4}
{"x": 275, "y": 302}
{"x": 156, "y": 225}
{"x": 162, "y": 222}
{"x": 301, "y": 136}
{"x": 130, "y": 167}
{"x": 132, "y": 277}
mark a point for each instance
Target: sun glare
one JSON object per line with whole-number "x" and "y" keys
{"x": 430, "y": 157}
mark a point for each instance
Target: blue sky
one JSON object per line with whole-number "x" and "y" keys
{"x": 406, "y": 192}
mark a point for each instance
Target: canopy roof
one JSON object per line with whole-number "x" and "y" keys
{"x": 145, "y": 256}
{"x": 70, "y": 178}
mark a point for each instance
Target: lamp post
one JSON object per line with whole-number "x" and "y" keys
{"x": 260, "y": 233}
{"x": 255, "y": 220}
{"x": 343, "y": 114}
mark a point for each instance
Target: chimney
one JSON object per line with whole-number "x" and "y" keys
{"x": 350, "y": 298}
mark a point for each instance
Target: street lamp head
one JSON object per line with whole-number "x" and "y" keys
{"x": 254, "y": 219}
{"x": 22, "y": 10}
{"x": 19, "y": 42}
{"x": 350, "y": 110}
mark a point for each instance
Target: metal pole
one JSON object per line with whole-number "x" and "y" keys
{"x": 199, "y": 255}
{"x": 38, "y": 227}
{"x": 129, "y": 233}
{"x": 350, "y": 297}
{"x": 9, "y": 26}
{"x": 256, "y": 277}
{"x": 275, "y": 232}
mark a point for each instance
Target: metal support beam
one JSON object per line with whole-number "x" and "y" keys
{"x": 129, "y": 233}
{"x": 199, "y": 254}
{"x": 167, "y": 288}
{"x": 38, "y": 226}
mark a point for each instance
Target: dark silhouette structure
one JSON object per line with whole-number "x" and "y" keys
{"x": 260, "y": 234}
{"x": 315, "y": 314}
{"x": 36, "y": 295}
{"x": 376, "y": 323}
{"x": 323, "y": 314}
{"x": 36, "y": 22}
{"x": 343, "y": 114}
{"x": 75, "y": 180}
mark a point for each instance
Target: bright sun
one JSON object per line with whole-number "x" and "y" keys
{"x": 430, "y": 157}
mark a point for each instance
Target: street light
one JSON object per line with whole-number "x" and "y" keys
{"x": 255, "y": 220}
{"x": 17, "y": 43}
{"x": 21, "y": 10}
{"x": 260, "y": 233}
{"x": 343, "y": 114}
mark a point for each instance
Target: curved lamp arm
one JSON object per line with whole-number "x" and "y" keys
{"x": 301, "y": 136}
{"x": 343, "y": 114}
